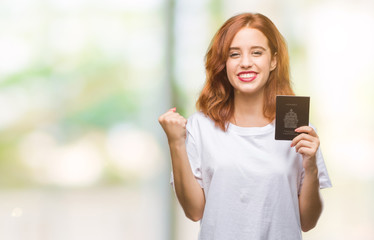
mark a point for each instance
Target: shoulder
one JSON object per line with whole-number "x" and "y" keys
{"x": 199, "y": 117}
{"x": 198, "y": 121}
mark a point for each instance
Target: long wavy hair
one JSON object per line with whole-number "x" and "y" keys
{"x": 216, "y": 99}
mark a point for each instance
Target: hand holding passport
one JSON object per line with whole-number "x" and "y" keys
{"x": 291, "y": 112}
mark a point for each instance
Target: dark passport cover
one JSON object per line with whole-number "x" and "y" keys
{"x": 291, "y": 112}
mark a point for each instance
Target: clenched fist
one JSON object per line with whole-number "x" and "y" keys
{"x": 174, "y": 126}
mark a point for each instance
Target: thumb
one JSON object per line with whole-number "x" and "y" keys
{"x": 172, "y": 109}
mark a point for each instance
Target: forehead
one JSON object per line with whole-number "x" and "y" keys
{"x": 249, "y": 37}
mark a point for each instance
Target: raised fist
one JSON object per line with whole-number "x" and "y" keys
{"x": 174, "y": 126}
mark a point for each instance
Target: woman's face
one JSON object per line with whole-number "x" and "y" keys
{"x": 250, "y": 61}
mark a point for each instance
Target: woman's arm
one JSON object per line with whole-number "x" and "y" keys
{"x": 310, "y": 202}
{"x": 189, "y": 192}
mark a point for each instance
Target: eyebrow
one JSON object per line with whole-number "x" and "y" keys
{"x": 253, "y": 47}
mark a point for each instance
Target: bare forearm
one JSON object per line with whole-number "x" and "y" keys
{"x": 189, "y": 193}
{"x": 310, "y": 202}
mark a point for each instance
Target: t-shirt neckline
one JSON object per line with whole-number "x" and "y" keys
{"x": 251, "y": 130}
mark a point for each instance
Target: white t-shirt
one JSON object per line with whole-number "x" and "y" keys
{"x": 251, "y": 181}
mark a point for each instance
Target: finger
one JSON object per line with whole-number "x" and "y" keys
{"x": 303, "y": 136}
{"x": 306, "y": 151}
{"x": 175, "y": 118}
{"x": 306, "y": 129}
{"x": 172, "y": 109}
{"x": 182, "y": 119}
{"x": 169, "y": 112}
{"x": 303, "y": 144}
{"x": 162, "y": 118}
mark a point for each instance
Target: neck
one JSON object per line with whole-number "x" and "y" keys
{"x": 249, "y": 110}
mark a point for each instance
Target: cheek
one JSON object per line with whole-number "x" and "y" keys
{"x": 265, "y": 65}
{"x": 230, "y": 72}
{"x": 230, "y": 67}
{"x": 227, "y": 65}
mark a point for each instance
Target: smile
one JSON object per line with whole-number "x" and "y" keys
{"x": 247, "y": 76}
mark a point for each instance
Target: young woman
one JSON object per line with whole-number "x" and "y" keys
{"x": 228, "y": 170}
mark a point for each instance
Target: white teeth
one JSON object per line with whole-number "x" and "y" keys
{"x": 247, "y": 75}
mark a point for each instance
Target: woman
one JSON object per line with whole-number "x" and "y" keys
{"x": 228, "y": 170}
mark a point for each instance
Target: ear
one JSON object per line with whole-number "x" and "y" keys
{"x": 273, "y": 63}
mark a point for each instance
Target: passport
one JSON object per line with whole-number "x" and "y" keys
{"x": 291, "y": 112}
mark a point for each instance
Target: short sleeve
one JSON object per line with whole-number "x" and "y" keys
{"x": 324, "y": 179}
{"x": 323, "y": 176}
{"x": 193, "y": 156}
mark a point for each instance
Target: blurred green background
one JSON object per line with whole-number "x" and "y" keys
{"x": 82, "y": 83}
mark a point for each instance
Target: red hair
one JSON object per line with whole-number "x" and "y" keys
{"x": 216, "y": 99}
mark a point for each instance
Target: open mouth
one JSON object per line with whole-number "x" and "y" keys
{"x": 247, "y": 76}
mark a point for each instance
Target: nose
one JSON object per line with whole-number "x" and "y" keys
{"x": 246, "y": 62}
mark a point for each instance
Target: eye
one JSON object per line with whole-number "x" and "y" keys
{"x": 257, "y": 53}
{"x": 234, "y": 54}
